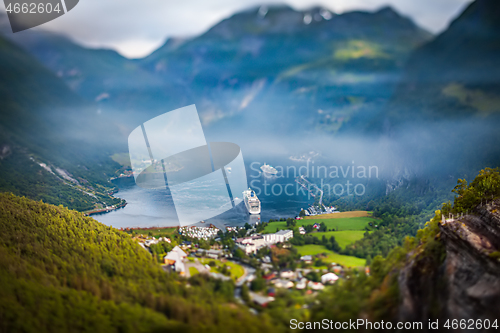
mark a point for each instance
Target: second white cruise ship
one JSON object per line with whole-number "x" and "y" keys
{"x": 251, "y": 201}
{"x": 267, "y": 169}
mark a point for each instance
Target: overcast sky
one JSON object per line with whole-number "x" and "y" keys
{"x": 136, "y": 27}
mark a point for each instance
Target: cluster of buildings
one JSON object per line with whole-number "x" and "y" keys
{"x": 229, "y": 229}
{"x": 311, "y": 211}
{"x": 288, "y": 279}
{"x": 150, "y": 241}
{"x": 199, "y": 232}
{"x": 253, "y": 243}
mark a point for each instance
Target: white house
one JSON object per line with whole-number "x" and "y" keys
{"x": 315, "y": 285}
{"x": 150, "y": 242}
{"x": 278, "y": 283}
{"x": 329, "y": 278}
{"x": 287, "y": 274}
{"x": 301, "y": 284}
{"x": 182, "y": 254}
{"x": 307, "y": 259}
{"x": 175, "y": 259}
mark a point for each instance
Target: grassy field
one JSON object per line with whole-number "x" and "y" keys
{"x": 338, "y": 221}
{"x": 193, "y": 271}
{"x": 274, "y": 226}
{"x": 343, "y": 238}
{"x": 156, "y": 232}
{"x": 341, "y": 259}
{"x": 236, "y": 270}
{"x": 348, "y": 223}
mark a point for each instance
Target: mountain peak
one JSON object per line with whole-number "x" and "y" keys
{"x": 480, "y": 18}
{"x": 388, "y": 11}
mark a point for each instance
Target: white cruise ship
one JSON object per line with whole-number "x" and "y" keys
{"x": 266, "y": 168}
{"x": 251, "y": 201}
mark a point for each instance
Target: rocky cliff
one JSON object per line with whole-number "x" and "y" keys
{"x": 459, "y": 276}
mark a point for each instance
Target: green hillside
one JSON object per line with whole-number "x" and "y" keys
{"x": 61, "y": 271}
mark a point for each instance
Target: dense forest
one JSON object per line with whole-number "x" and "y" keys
{"x": 61, "y": 271}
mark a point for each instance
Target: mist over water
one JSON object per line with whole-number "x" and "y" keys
{"x": 423, "y": 151}
{"x": 155, "y": 208}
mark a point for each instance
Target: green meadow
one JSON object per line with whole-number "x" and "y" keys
{"x": 236, "y": 270}
{"x": 156, "y": 232}
{"x": 350, "y": 223}
{"x": 193, "y": 271}
{"x": 331, "y": 257}
{"x": 343, "y": 237}
{"x": 349, "y": 227}
{"x": 340, "y": 224}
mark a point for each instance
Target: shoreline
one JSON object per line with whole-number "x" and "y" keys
{"x": 110, "y": 209}
{"x": 147, "y": 228}
{"x": 104, "y": 210}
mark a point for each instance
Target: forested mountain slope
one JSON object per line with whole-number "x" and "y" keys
{"x": 63, "y": 272}
{"x": 53, "y": 144}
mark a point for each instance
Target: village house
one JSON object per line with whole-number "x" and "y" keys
{"x": 150, "y": 242}
{"x": 307, "y": 259}
{"x": 269, "y": 276}
{"x": 287, "y": 274}
{"x": 302, "y": 284}
{"x": 315, "y": 285}
{"x": 336, "y": 268}
{"x": 266, "y": 259}
{"x": 175, "y": 260}
{"x": 186, "y": 245}
{"x": 280, "y": 283}
{"x": 329, "y": 278}
{"x": 261, "y": 300}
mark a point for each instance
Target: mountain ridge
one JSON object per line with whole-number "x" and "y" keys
{"x": 43, "y": 125}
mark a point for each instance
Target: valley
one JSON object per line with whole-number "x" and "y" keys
{"x": 297, "y": 88}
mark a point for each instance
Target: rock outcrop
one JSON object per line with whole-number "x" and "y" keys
{"x": 460, "y": 277}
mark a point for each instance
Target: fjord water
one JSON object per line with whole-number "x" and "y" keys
{"x": 155, "y": 208}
